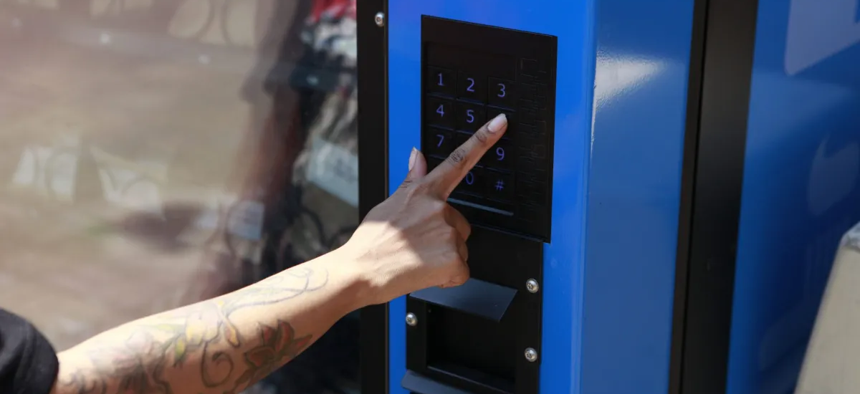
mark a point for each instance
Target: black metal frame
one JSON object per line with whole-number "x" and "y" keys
{"x": 373, "y": 174}
{"x": 721, "y": 64}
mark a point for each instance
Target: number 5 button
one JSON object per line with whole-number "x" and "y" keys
{"x": 501, "y": 93}
{"x": 470, "y": 117}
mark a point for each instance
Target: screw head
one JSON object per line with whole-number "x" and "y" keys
{"x": 532, "y": 286}
{"x": 531, "y": 355}
{"x": 379, "y": 19}
{"x": 411, "y": 319}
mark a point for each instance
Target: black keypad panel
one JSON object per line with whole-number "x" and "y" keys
{"x": 470, "y": 79}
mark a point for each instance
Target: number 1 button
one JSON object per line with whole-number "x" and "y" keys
{"x": 501, "y": 93}
{"x": 440, "y": 80}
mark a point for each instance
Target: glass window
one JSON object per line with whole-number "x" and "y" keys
{"x": 154, "y": 153}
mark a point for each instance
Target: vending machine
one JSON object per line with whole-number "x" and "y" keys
{"x": 658, "y": 217}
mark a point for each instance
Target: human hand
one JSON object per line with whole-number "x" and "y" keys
{"x": 414, "y": 240}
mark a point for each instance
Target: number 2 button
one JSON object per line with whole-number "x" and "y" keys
{"x": 439, "y": 112}
{"x": 502, "y": 93}
{"x": 471, "y": 86}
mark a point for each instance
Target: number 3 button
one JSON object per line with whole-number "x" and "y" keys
{"x": 502, "y": 93}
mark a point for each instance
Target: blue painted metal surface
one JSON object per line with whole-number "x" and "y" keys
{"x": 634, "y": 190}
{"x": 801, "y": 184}
{"x": 609, "y": 280}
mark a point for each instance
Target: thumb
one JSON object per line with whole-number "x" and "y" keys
{"x": 417, "y": 166}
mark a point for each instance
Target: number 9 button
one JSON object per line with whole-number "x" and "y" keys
{"x": 500, "y": 156}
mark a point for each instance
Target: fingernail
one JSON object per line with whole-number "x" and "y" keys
{"x": 412, "y": 157}
{"x": 498, "y": 123}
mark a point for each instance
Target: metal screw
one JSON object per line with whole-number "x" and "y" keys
{"x": 379, "y": 19}
{"x": 531, "y": 355}
{"x": 532, "y": 286}
{"x": 411, "y": 319}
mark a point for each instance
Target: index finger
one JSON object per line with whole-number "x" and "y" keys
{"x": 445, "y": 177}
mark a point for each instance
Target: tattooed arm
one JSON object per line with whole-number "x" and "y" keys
{"x": 221, "y": 345}
{"x": 413, "y": 240}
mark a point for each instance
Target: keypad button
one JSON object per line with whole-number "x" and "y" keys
{"x": 511, "y": 116}
{"x": 438, "y": 142}
{"x": 471, "y": 86}
{"x": 439, "y": 112}
{"x": 502, "y": 93}
{"x": 459, "y": 138}
{"x": 472, "y": 183}
{"x": 441, "y": 80}
{"x": 433, "y": 162}
{"x": 500, "y": 156}
{"x": 499, "y": 186}
{"x": 470, "y": 117}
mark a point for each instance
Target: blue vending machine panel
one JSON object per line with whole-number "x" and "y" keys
{"x": 801, "y": 184}
{"x": 570, "y": 27}
{"x": 606, "y": 241}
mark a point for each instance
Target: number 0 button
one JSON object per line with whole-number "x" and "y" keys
{"x": 501, "y": 93}
{"x": 471, "y": 86}
{"x": 439, "y": 112}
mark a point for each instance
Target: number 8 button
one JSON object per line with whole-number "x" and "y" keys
{"x": 502, "y": 93}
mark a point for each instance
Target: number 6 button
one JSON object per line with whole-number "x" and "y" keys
{"x": 501, "y": 93}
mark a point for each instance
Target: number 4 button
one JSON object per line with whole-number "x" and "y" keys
{"x": 501, "y": 93}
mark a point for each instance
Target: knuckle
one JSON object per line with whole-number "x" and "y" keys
{"x": 481, "y": 136}
{"x": 458, "y": 157}
{"x": 451, "y": 235}
{"x": 453, "y": 258}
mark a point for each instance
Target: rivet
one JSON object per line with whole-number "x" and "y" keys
{"x": 532, "y": 286}
{"x": 531, "y": 355}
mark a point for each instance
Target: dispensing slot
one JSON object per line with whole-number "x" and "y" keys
{"x": 476, "y": 297}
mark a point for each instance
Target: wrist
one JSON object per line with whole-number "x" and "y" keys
{"x": 346, "y": 273}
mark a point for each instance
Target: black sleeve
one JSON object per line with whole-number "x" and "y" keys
{"x": 28, "y": 363}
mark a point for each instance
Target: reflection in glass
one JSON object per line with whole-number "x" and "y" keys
{"x": 157, "y": 152}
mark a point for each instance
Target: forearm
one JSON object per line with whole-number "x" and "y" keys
{"x": 221, "y": 345}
